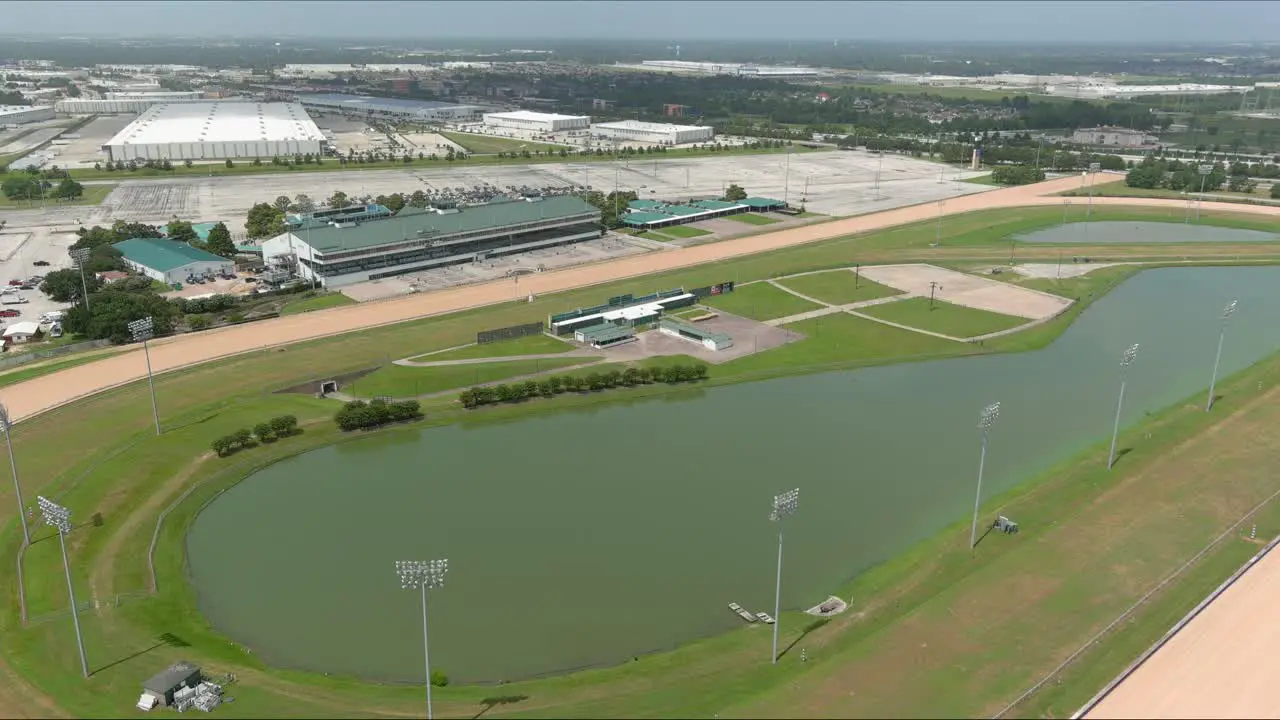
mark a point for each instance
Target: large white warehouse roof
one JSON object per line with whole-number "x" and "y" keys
{"x": 220, "y": 122}
{"x": 642, "y": 126}
{"x": 534, "y": 116}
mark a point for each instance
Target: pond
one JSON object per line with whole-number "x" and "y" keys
{"x": 1113, "y": 231}
{"x": 585, "y": 537}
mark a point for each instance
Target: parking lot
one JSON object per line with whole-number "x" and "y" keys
{"x": 85, "y": 150}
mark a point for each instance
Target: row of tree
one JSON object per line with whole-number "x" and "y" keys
{"x": 277, "y": 428}
{"x": 1016, "y": 174}
{"x": 361, "y": 415}
{"x": 593, "y": 382}
{"x": 34, "y": 187}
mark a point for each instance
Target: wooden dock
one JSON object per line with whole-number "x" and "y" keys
{"x": 742, "y": 613}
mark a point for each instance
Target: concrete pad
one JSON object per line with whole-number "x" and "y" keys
{"x": 749, "y": 337}
{"x": 1054, "y": 270}
{"x": 968, "y": 290}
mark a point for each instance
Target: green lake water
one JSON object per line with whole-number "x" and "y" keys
{"x": 585, "y": 537}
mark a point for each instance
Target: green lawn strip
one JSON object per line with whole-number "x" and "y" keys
{"x": 981, "y": 180}
{"x": 684, "y": 231}
{"x": 402, "y": 382}
{"x": 752, "y": 219}
{"x": 319, "y": 302}
{"x": 489, "y": 144}
{"x": 954, "y": 320}
{"x": 93, "y": 195}
{"x": 109, "y": 423}
{"x": 838, "y": 287}
{"x": 1118, "y": 188}
{"x": 36, "y": 369}
{"x": 655, "y": 235}
{"x": 760, "y": 301}
{"x": 1091, "y": 543}
{"x": 529, "y": 345}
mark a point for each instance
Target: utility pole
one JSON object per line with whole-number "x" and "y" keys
{"x": 1227, "y": 312}
{"x": 985, "y": 421}
{"x": 1205, "y": 171}
{"x": 1125, "y": 361}
{"x": 934, "y": 286}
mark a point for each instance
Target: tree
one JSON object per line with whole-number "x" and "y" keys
{"x": 338, "y": 199}
{"x": 69, "y": 189}
{"x": 23, "y": 187}
{"x": 1016, "y": 175}
{"x": 1146, "y": 175}
{"x": 734, "y": 193}
{"x": 219, "y": 242}
{"x": 115, "y": 307}
{"x": 1241, "y": 184}
{"x": 282, "y": 203}
{"x": 65, "y": 286}
{"x": 1275, "y": 191}
{"x": 303, "y": 203}
{"x": 182, "y": 231}
{"x": 264, "y": 221}
{"x": 229, "y": 164}
{"x": 129, "y": 230}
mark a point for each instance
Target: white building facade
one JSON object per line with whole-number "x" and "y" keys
{"x": 19, "y": 114}
{"x": 656, "y": 133}
{"x": 536, "y": 121}
{"x": 217, "y": 130}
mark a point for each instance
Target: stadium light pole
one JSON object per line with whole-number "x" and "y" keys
{"x": 879, "y": 167}
{"x": 5, "y": 426}
{"x": 81, "y": 256}
{"x": 937, "y": 239}
{"x": 784, "y": 505}
{"x": 143, "y": 330}
{"x": 423, "y": 575}
{"x": 1125, "y": 361}
{"x": 786, "y": 176}
{"x": 59, "y": 517}
{"x": 1205, "y": 171}
{"x": 985, "y": 421}
{"x": 1227, "y": 312}
{"x": 1093, "y": 168}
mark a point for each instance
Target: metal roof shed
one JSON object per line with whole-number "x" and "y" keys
{"x": 166, "y": 683}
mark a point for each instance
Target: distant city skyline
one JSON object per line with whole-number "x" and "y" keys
{"x": 1084, "y": 21}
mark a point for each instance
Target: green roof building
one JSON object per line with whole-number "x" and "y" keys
{"x": 346, "y": 252}
{"x": 170, "y": 261}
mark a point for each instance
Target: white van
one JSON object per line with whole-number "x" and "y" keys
{"x": 13, "y": 299}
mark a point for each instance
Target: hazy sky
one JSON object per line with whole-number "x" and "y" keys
{"x": 1027, "y": 21}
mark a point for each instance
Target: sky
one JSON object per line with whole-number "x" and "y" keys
{"x": 1082, "y": 21}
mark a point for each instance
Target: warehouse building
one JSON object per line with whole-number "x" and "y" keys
{"x": 536, "y": 121}
{"x": 120, "y": 103}
{"x": 341, "y": 253}
{"x": 388, "y": 108}
{"x": 657, "y": 133}
{"x": 1118, "y": 136}
{"x": 20, "y": 114}
{"x": 217, "y": 130}
{"x": 170, "y": 261}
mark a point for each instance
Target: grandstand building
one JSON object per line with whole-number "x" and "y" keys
{"x": 343, "y": 251}
{"x": 536, "y": 121}
{"x": 656, "y": 133}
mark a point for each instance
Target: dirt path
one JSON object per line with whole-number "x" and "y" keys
{"x": 39, "y": 394}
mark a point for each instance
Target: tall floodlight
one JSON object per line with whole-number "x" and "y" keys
{"x": 786, "y": 176}
{"x": 1125, "y": 361}
{"x": 784, "y": 505}
{"x": 1227, "y": 312}
{"x": 59, "y": 517}
{"x": 985, "y": 421}
{"x": 879, "y": 167}
{"x": 5, "y": 427}
{"x": 80, "y": 256}
{"x": 423, "y": 575}
{"x": 937, "y": 236}
{"x": 1093, "y": 168}
{"x": 143, "y": 330}
{"x": 1205, "y": 171}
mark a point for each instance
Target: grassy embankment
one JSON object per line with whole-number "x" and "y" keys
{"x": 1119, "y": 189}
{"x": 117, "y": 468}
{"x": 93, "y": 195}
{"x": 942, "y": 317}
{"x": 489, "y": 145}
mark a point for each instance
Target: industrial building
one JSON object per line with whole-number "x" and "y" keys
{"x": 125, "y": 102}
{"x": 738, "y": 69}
{"x": 19, "y": 114}
{"x": 536, "y": 121}
{"x": 388, "y": 108}
{"x": 171, "y": 261}
{"x": 217, "y": 130}
{"x": 340, "y": 253}
{"x": 657, "y": 133}
{"x": 1113, "y": 136}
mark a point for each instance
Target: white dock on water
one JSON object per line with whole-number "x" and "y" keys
{"x": 742, "y": 613}
{"x": 765, "y": 618}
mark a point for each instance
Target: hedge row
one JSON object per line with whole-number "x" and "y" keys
{"x": 361, "y": 415}
{"x": 488, "y": 395}
{"x": 265, "y": 432}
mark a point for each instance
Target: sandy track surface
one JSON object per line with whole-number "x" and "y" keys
{"x": 47, "y": 392}
{"x": 1219, "y": 666}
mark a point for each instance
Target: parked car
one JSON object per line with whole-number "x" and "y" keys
{"x": 15, "y": 283}
{"x": 41, "y": 263}
{"x": 10, "y": 312}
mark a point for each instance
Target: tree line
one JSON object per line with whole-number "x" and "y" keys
{"x": 593, "y": 382}
{"x": 1179, "y": 176}
{"x": 361, "y": 415}
{"x": 277, "y": 428}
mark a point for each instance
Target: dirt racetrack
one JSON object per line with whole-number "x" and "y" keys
{"x": 1215, "y": 667}
{"x": 43, "y": 393}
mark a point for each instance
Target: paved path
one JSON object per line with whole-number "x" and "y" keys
{"x": 49, "y": 391}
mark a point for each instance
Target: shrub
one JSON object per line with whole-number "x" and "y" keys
{"x": 284, "y": 425}
{"x": 439, "y": 679}
{"x": 361, "y": 415}
{"x": 264, "y": 433}
{"x": 269, "y": 431}
{"x": 477, "y": 396}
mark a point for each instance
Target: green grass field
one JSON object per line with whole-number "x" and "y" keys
{"x": 752, "y": 219}
{"x": 118, "y": 468}
{"x": 528, "y": 345}
{"x": 954, "y": 320}
{"x": 93, "y": 195}
{"x": 760, "y": 301}
{"x": 490, "y": 145}
{"x": 320, "y": 302}
{"x": 838, "y": 287}
{"x": 654, "y": 235}
{"x": 684, "y": 231}
{"x": 403, "y": 381}
{"x": 981, "y": 180}
{"x": 1117, "y": 188}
